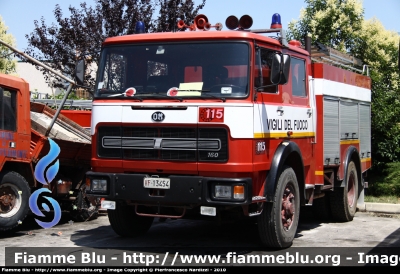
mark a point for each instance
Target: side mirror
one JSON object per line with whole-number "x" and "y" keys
{"x": 285, "y": 69}
{"x": 280, "y": 68}
{"x": 276, "y": 68}
{"x": 80, "y": 72}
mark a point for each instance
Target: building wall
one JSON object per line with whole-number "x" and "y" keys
{"x": 37, "y": 83}
{"x": 36, "y": 80}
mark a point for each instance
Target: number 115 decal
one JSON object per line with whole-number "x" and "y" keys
{"x": 211, "y": 115}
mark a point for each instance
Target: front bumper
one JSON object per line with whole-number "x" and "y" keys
{"x": 183, "y": 191}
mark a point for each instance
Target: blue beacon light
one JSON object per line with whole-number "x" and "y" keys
{"x": 276, "y": 21}
{"x": 139, "y": 28}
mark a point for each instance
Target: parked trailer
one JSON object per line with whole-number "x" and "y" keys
{"x": 26, "y": 129}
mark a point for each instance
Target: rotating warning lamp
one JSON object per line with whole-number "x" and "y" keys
{"x": 276, "y": 21}
{"x": 139, "y": 27}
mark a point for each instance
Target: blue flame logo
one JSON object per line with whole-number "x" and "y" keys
{"x": 45, "y": 180}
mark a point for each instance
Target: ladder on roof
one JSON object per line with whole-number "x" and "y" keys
{"x": 324, "y": 54}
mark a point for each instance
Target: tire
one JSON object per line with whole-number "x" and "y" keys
{"x": 277, "y": 223}
{"x": 126, "y": 223}
{"x": 14, "y": 200}
{"x": 83, "y": 210}
{"x": 343, "y": 200}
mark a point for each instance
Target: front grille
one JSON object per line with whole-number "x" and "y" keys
{"x": 163, "y": 143}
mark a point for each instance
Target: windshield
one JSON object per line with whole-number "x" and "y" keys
{"x": 186, "y": 70}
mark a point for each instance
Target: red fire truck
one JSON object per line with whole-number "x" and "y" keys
{"x": 227, "y": 124}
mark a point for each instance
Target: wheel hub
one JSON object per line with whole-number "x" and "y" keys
{"x": 8, "y": 200}
{"x": 351, "y": 190}
{"x": 288, "y": 209}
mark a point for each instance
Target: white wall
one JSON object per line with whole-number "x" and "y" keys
{"x": 35, "y": 79}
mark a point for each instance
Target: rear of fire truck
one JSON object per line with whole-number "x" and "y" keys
{"x": 192, "y": 124}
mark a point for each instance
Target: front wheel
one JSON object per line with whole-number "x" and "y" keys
{"x": 343, "y": 200}
{"x": 277, "y": 224}
{"x": 14, "y": 200}
{"x": 126, "y": 223}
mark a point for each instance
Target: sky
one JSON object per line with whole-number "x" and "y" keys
{"x": 19, "y": 15}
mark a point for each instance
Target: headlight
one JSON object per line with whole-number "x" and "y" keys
{"x": 99, "y": 185}
{"x": 223, "y": 191}
{"x": 235, "y": 192}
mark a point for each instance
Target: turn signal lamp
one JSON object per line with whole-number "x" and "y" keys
{"x": 276, "y": 21}
{"x": 139, "y": 28}
{"x": 238, "y": 192}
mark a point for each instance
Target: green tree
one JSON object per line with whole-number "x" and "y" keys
{"x": 330, "y": 22}
{"x": 83, "y": 32}
{"x": 340, "y": 24}
{"x": 171, "y": 11}
{"x": 379, "y": 48}
{"x": 7, "y": 62}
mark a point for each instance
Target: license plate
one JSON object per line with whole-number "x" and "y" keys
{"x": 162, "y": 183}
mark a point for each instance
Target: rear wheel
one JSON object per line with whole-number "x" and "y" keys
{"x": 343, "y": 200}
{"x": 14, "y": 200}
{"x": 126, "y": 223}
{"x": 277, "y": 224}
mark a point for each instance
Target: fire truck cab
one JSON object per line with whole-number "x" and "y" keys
{"x": 226, "y": 124}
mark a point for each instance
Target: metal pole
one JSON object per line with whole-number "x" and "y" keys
{"x": 58, "y": 110}
{"x": 71, "y": 82}
{"x": 37, "y": 62}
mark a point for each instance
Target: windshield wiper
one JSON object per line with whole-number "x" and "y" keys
{"x": 203, "y": 95}
{"x": 266, "y": 86}
{"x": 158, "y": 95}
{"x": 223, "y": 99}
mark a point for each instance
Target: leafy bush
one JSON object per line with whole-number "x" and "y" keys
{"x": 71, "y": 95}
{"x": 385, "y": 183}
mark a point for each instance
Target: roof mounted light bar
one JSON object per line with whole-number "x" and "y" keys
{"x": 282, "y": 34}
{"x": 245, "y": 22}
